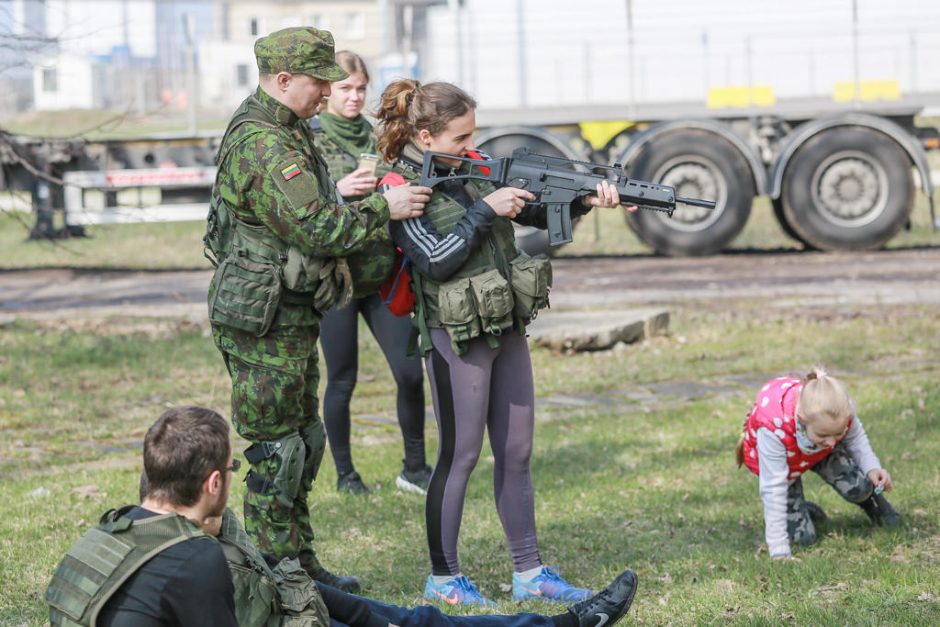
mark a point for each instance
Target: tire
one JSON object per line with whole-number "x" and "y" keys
{"x": 786, "y": 226}
{"x": 848, "y": 188}
{"x": 699, "y": 165}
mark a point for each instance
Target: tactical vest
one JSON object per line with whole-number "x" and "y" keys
{"x": 775, "y": 410}
{"x": 105, "y": 557}
{"x": 282, "y": 596}
{"x": 255, "y": 270}
{"x": 496, "y": 289}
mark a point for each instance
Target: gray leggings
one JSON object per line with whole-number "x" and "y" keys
{"x": 485, "y": 388}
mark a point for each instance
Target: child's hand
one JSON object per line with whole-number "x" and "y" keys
{"x": 880, "y": 478}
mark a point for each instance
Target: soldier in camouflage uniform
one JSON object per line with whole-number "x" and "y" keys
{"x": 280, "y": 242}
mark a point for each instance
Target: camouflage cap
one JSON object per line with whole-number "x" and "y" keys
{"x": 300, "y": 50}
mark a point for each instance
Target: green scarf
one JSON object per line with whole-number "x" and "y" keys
{"x": 354, "y": 136}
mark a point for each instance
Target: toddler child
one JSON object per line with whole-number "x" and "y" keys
{"x": 810, "y": 424}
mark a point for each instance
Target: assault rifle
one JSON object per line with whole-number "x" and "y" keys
{"x": 556, "y": 182}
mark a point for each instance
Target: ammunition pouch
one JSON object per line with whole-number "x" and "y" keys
{"x": 456, "y": 310}
{"x": 246, "y": 296}
{"x": 531, "y": 282}
{"x": 494, "y": 303}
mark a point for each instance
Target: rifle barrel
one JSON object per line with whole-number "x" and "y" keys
{"x": 697, "y": 202}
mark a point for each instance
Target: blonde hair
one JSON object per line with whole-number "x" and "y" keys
{"x": 352, "y": 63}
{"x": 407, "y": 106}
{"x": 825, "y": 402}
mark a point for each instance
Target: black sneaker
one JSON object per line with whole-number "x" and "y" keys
{"x": 609, "y": 605}
{"x": 346, "y": 584}
{"x": 352, "y": 483}
{"x": 415, "y": 481}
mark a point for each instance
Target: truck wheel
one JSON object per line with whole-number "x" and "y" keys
{"x": 848, "y": 188}
{"x": 787, "y": 228}
{"x": 699, "y": 165}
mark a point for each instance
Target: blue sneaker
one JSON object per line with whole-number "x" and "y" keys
{"x": 548, "y": 586}
{"x": 456, "y": 591}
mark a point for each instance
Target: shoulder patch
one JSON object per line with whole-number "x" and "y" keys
{"x": 298, "y": 186}
{"x": 290, "y": 171}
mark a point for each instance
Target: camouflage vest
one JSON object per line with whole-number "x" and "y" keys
{"x": 372, "y": 264}
{"x": 339, "y": 161}
{"x": 105, "y": 557}
{"x": 283, "y": 596}
{"x": 480, "y": 299}
{"x": 255, "y": 270}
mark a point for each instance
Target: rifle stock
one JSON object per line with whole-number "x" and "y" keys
{"x": 557, "y": 182}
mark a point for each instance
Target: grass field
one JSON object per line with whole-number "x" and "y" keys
{"x": 632, "y": 465}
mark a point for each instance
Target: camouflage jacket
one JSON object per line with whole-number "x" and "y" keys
{"x": 273, "y": 175}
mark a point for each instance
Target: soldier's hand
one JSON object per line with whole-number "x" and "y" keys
{"x": 508, "y": 201}
{"x": 406, "y": 201}
{"x": 358, "y": 183}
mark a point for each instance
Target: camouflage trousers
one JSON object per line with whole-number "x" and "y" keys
{"x": 275, "y": 407}
{"x": 840, "y": 471}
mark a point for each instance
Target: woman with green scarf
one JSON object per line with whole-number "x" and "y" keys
{"x": 343, "y": 136}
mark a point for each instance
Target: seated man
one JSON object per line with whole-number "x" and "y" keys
{"x": 153, "y": 565}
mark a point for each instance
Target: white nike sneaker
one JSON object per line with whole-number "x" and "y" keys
{"x": 609, "y": 605}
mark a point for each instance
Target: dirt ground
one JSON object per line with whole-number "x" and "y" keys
{"x": 790, "y": 279}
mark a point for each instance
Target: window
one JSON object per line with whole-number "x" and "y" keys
{"x": 241, "y": 74}
{"x": 355, "y": 26}
{"x": 50, "y": 80}
{"x": 253, "y": 29}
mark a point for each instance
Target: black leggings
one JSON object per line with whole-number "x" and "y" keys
{"x": 339, "y": 337}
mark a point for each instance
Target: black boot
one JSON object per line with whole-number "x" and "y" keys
{"x": 340, "y": 582}
{"x": 309, "y": 563}
{"x": 880, "y": 512}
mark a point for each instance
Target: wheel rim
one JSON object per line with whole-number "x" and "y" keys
{"x": 848, "y": 189}
{"x": 693, "y": 177}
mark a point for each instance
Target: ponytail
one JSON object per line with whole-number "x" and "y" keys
{"x": 407, "y": 106}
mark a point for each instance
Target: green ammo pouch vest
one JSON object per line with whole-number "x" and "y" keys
{"x": 283, "y": 596}
{"x": 105, "y": 557}
{"x": 498, "y": 288}
{"x": 255, "y": 270}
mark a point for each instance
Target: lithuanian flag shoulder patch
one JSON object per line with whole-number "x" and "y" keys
{"x": 290, "y": 171}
